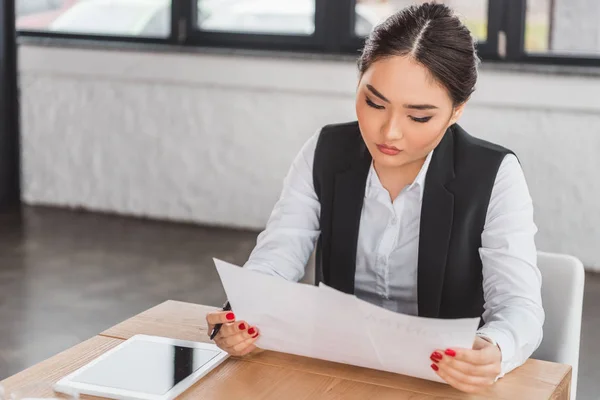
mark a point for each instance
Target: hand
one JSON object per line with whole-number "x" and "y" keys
{"x": 467, "y": 370}
{"x": 235, "y": 337}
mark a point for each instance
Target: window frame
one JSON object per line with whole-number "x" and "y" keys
{"x": 334, "y": 34}
{"x": 325, "y": 39}
{"x": 10, "y": 155}
{"x": 513, "y": 24}
{"x": 176, "y": 11}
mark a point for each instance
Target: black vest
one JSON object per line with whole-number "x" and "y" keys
{"x": 456, "y": 195}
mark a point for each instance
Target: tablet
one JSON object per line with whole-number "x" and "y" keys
{"x": 144, "y": 368}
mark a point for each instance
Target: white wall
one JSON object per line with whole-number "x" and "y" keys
{"x": 208, "y": 138}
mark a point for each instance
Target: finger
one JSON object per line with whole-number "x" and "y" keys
{"x": 475, "y": 377}
{"x": 454, "y": 382}
{"x": 242, "y": 327}
{"x": 476, "y": 357}
{"x": 246, "y": 330}
{"x": 231, "y": 341}
{"x": 220, "y": 317}
{"x": 235, "y": 333}
{"x": 252, "y": 332}
{"x": 232, "y": 328}
{"x": 240, "y": 347}
{"x": 488, "y": 370}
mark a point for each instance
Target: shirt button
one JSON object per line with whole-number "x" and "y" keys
{"x": 394, "y": 221}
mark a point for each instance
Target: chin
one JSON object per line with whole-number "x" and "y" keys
{"x": 389, "y": 161}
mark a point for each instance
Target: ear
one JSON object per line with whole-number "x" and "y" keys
{"x": 457, "y": 113}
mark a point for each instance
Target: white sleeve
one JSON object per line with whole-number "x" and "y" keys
{"x": 287, "y": 242}
{"x": 513, "y": 315}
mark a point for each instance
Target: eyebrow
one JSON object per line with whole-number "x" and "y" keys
{"x": 420, "y": 106}
{"x": 376, "y": 93}
{"x": 410, "y": 106}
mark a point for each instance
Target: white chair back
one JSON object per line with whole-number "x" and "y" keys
{"x": 563, "y": 279}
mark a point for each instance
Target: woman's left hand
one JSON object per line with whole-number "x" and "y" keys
{"x": 470, "y": 371}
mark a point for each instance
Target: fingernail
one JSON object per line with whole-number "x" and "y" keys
{"x": 435, "y": 367}
{"x": 450, "y": 353}
{"x": 242, "y": 326}
{"x": 230, "y": 316}
{"x": 435, "y": 360}
{"x": 251, "y": 331}
{"x": 255, "y": 335}
{"x": 436, "y": 355}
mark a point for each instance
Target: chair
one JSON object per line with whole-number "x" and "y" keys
{"x": 563, "y": 279}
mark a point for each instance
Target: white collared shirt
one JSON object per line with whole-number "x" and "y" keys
{"x": 388, "y": 244}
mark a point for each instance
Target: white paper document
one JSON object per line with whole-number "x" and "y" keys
{"x": 321, "y": 322}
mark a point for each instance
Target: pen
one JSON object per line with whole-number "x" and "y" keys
{"x": 217, "y": 327}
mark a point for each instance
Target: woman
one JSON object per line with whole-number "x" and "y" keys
{"x": 410, "y": 212}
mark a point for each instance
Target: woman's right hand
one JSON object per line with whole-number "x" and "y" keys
{"x": 235, "y": 337}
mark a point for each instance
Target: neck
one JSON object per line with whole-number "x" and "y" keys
{"x": 394, "y": 179}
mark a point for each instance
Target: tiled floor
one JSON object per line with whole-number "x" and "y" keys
{"x": 65, "y": 276}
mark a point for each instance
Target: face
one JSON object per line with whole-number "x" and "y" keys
{"x": 402, "y": 111}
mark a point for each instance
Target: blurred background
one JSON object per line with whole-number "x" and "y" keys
{"x": 145, "y": 137}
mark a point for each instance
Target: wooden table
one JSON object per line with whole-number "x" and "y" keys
{"x": 271, "y": 375}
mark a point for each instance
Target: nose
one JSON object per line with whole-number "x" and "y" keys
{"x": 392, "y": 130}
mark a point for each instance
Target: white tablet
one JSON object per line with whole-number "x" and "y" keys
{"x": 144, "y": 368}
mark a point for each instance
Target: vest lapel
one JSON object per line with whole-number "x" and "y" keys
{"x": 347, "y": 209}
{"x": 437, "y": 212}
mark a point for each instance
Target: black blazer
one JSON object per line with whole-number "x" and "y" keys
{"x": 457, "y": 191}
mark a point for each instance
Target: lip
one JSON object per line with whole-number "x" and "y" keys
{"x": 388, "y": 150}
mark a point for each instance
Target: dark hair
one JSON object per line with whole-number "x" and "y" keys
{"x": 435, "y": 37}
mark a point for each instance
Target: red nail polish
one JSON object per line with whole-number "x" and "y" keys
{"x": 251, "y": 331}
{"x": 242, "y": 326}
{"x": 254, "y": 336}
{"x": 435, "y": 367}
{"x": 436, "y": 355}
{"x": 435, "y": 360}
{"x": 230, "y": 316}
{"x": 450, "y": 353}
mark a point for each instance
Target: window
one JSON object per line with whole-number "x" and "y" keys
{"x": 253, "y": 24}
{"x": 150, "y": 18}
{"x": 519, "y": 31}
{"x": 28, "y": 7}
{"x": 537, "y": 28}
{"x": 295, "y": 17}
{"x": 39, "y": 14}
{"x": 372, "y": 12}
{"x": 562, "y": 27}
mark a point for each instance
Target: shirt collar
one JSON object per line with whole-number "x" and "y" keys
{"x": 373, "y": 182}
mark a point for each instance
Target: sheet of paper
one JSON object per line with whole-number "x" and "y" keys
{"x": 321, "y": 322}
{"x": 295, "y": 318}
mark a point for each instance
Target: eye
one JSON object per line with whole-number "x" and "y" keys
{"x": 420, "y": 120}
{"x": 371, "y": 104}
